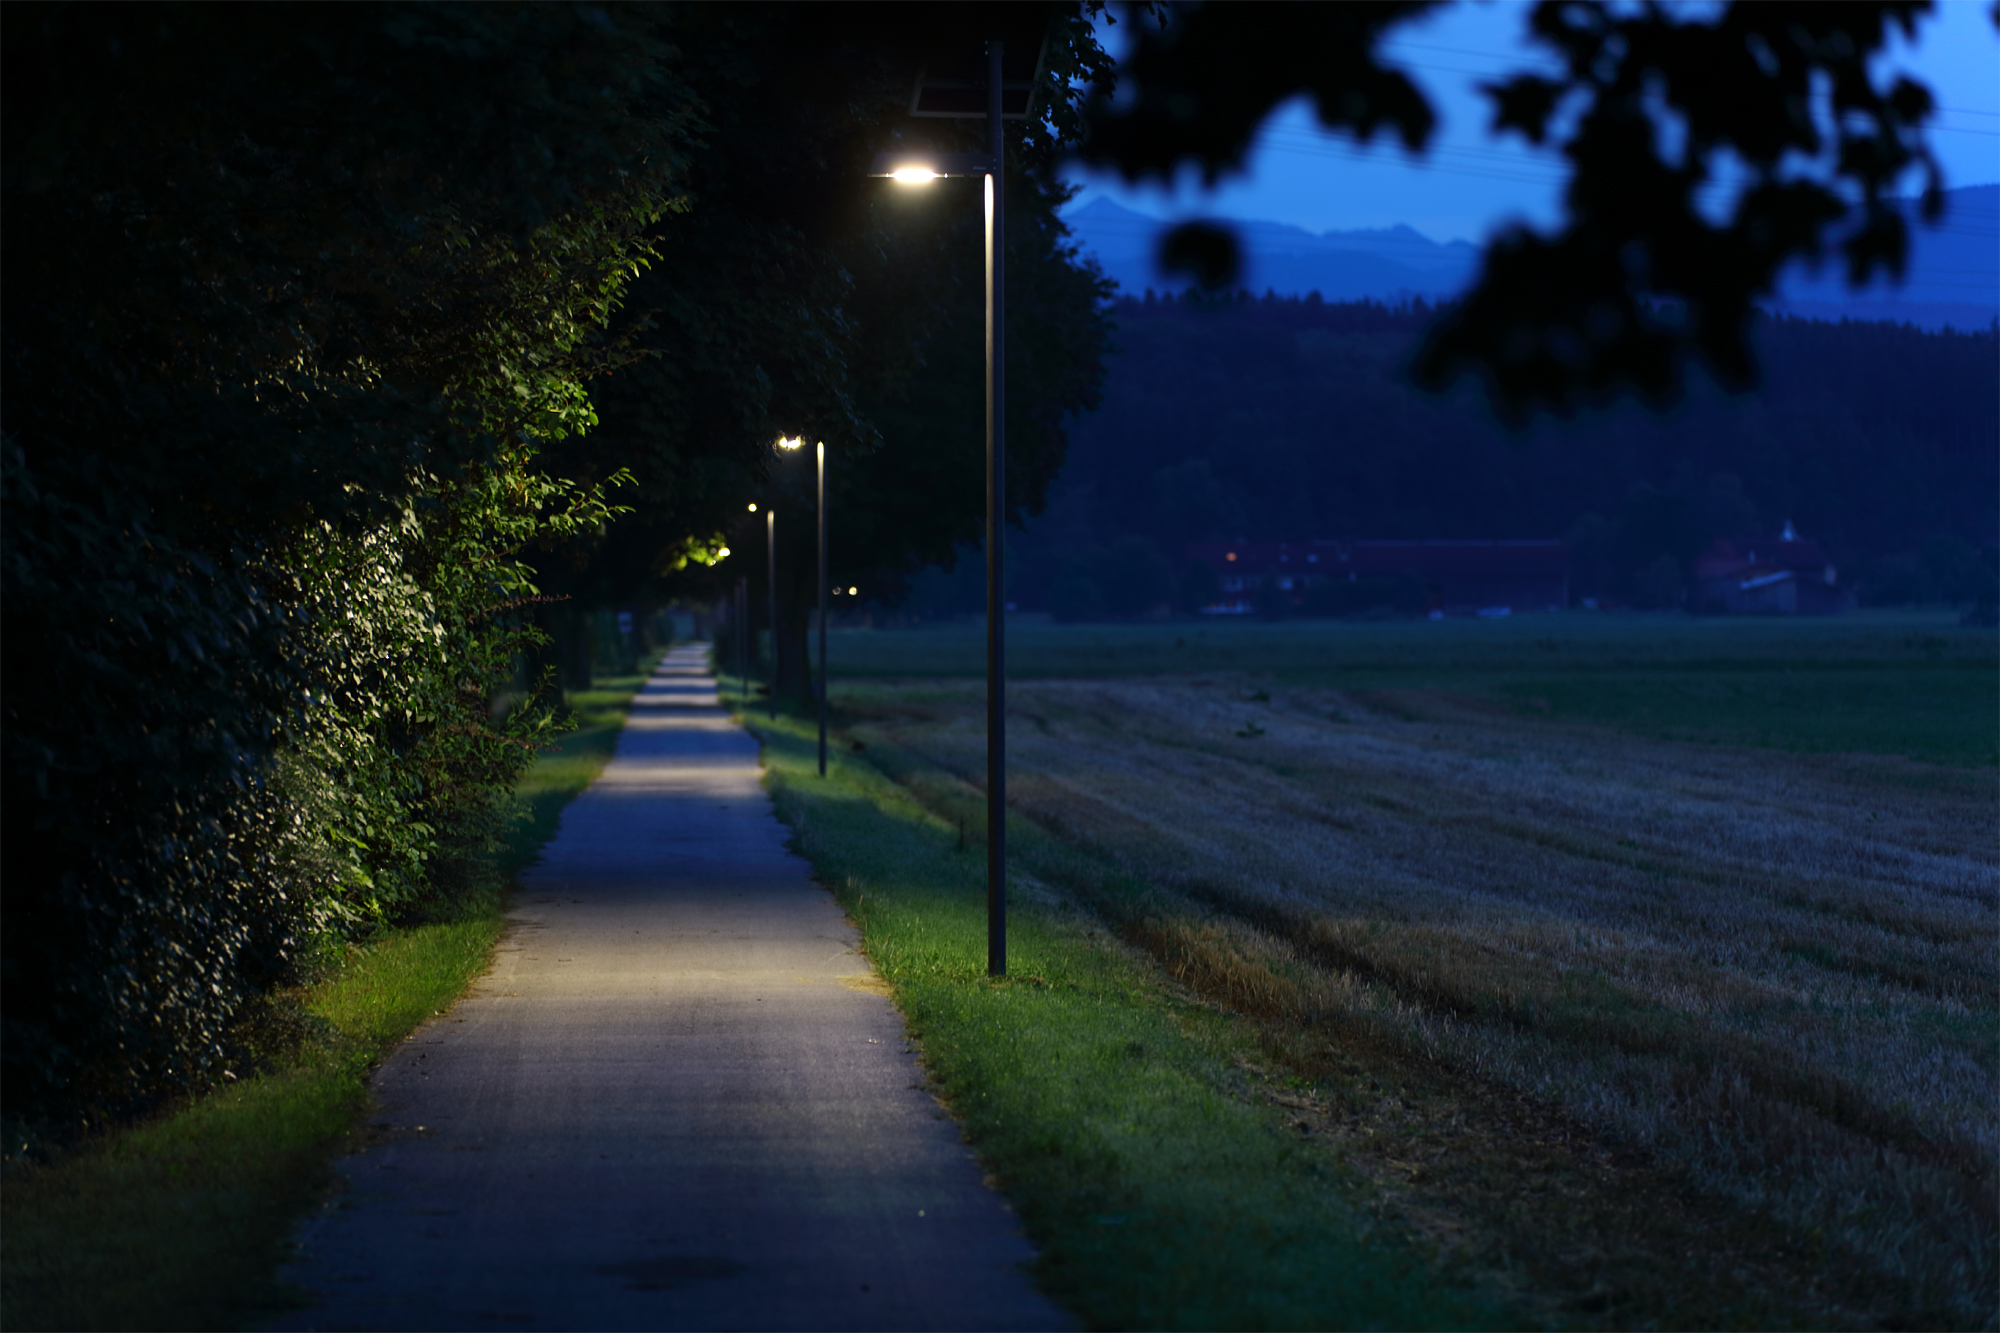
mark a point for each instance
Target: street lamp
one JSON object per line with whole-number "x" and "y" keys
{"x": 912, "y": 168}
{"x": 794, "y": 442}
{"x": 771, "y": 594}
{"x": 742, "y": 618}
{"x": 822, "y": 607}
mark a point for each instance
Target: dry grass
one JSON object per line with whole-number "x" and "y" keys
{"x": 1643, "y": 1032}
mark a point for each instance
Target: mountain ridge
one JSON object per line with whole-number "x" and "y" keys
{"x": 1953, "y": 276}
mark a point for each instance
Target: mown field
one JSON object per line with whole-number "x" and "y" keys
{"x": 1640, "y": 971}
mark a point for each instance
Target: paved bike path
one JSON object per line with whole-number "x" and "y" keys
{"x": 679, "y": 1100}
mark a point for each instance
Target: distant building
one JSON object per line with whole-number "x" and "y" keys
{"x": 1454, "y": 576}
{"x": 1786, "y": 575}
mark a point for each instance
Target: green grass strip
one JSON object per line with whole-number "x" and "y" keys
{"x": 184, "y": 1221}
{"x": 1120, "y": 1118}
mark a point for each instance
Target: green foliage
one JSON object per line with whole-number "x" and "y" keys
{"x": 411, "y": 631}
{"x": 297, "y": 295}
{"x": 310, "y": 308}
{"x": 184, "y": 1220}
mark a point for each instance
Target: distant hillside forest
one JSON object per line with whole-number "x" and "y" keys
{"x": 1292, "y": 419}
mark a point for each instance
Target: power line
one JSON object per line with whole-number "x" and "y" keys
{"x": 1493, "y": 164}
{"x": 1481, "y": 170}
{"x": 1408, "y": 66}
{"x": 1530, "y": 57}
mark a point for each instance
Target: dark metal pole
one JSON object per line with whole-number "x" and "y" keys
{"x": 771, "y": 577}
{"x": 996, "y": 526}
{"x": 822, "y": 608}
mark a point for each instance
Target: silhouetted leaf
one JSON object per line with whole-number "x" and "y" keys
{"x": 1206, "y": 251}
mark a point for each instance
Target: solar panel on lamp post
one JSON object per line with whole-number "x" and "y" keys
{"x": 919, "y": 168}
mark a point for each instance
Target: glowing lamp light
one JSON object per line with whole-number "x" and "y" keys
{"x": 851, "y": 592}
{"x": 722, "y": 554}
{"x": 921, "y": 168}
{"x": 753, "y": 508}
{"x": 1230, "y": 556}
{"x": 792, "y": 442}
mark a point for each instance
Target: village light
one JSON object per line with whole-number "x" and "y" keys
{"x": 913, "y": 175}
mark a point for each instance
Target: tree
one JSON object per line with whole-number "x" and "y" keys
{"x": 1292, "y": 419}
{"x": 293, "y": 294}
{"x": 797, "y": 296}
{"x": 1651, "y": 99}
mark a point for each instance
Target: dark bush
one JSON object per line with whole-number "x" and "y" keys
{"x": 263, "y": 495}
{"x": 1075, "y": 596}
{"x": 1359, "y": 597}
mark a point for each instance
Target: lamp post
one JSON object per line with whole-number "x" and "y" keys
{"x": 794, "y": 442}
{"x": 771, "y": 594}
{"x": 743, "y": 635}
{"x": 822, "y": 608}
{"x": 771, "y": 579}
{"x": 920, "y": 169}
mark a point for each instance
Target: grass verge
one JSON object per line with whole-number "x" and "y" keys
{"x": 1130, "y": 1124}
{"x": 184, "y": 1221}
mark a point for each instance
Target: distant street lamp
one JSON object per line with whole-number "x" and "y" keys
{"x": 743, "y": 635}
{"x": 771, "y": 592}
{"x": 915, "y": 168}
{"x": 794, "y": 442}
{"x": 822, "y": 608}
{"x": 771, "y": 578}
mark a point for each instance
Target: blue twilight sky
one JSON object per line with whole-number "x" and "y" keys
{"x": 1468, "y": 182}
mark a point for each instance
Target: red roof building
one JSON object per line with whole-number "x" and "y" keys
{"x": 1459, "y": 576}
{"x": 1786, "y": 575}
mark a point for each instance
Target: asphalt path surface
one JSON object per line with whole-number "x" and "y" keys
{"x": 680, "y": 1098}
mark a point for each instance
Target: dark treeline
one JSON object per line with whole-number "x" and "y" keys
{"x": 1288, "y": 419}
